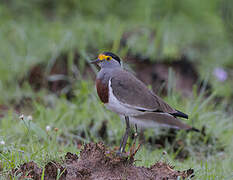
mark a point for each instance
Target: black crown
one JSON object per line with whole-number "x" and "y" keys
{"x": 114, "y": 56}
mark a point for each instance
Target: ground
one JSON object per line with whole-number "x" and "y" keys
{"x": 98, "y": 162}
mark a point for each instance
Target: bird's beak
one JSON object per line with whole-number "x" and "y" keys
{"x": 94, "y": 61}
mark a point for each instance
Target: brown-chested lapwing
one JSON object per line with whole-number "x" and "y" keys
{"x": 127, "y": 96}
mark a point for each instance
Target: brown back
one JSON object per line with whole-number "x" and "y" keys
{"x": 129, "y": 90}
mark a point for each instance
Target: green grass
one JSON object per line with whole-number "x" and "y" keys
{"x": 31, "y": 38}
{"x": 27, "y": 140}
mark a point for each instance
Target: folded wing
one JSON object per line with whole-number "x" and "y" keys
{"x": 134, "y": 94}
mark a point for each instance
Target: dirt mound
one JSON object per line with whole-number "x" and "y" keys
{"x": 97, "y": 162}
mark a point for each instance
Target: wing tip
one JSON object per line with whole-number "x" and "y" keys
{"x": 193, "y": 129}
{"x": 180, "y": 114}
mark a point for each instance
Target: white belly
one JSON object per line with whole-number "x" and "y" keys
{"x": 119, "y": 107}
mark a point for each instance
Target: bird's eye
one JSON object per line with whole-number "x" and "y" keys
{"x": 108, "y": 58}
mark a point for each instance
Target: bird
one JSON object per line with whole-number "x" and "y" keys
{"x": 126, "y": 95}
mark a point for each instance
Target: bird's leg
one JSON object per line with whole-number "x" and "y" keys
{"x": 125, "y": 137}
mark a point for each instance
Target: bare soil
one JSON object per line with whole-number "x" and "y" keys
{"x": 98, "y": 162}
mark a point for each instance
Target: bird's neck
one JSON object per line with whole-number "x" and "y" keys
{"x": 104, "y": 75}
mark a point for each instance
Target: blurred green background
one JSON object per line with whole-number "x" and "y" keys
{"x": 45, "y": 46}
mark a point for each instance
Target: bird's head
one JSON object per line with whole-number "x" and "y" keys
{"x": 108, "y": 60}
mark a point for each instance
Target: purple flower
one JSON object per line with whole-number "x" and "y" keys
{"x": 220, "y": 74}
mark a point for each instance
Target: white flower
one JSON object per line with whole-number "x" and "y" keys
{"x": 220, "y": 74}
{"x": 29, "y": 117}
{"x": 48, "y": 128}
{"x": 21, "y": 117}
{"x": 2, "y": 142}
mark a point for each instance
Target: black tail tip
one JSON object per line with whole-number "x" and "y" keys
{"x": 194, "y": 129}
{"x": 180, "y": 114}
